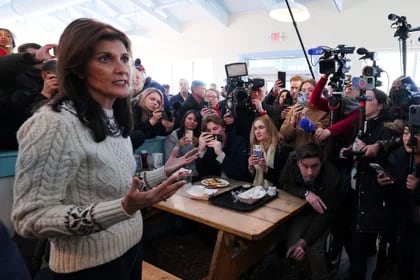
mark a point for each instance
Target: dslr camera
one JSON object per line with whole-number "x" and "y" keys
{"x": 240, "y": 85}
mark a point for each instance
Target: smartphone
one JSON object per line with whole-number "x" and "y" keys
{"x": 206, "y": 104}
{"x": 379, "y": 169}
{"x": 218, "y": 137}
{"x": 302, "y": 98}
{"x": 281, "y": 75}
{"x": 189, "y": 134}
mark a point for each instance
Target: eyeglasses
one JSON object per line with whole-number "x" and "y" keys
{"x": 211, "y": 96}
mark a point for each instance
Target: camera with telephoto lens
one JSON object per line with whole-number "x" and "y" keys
{"x": 240, "y": 85}
{"x": 403, "y": 97}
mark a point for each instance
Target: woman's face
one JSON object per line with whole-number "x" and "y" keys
{"x": 282, "y": 97}
{"x": 211, "y": 97}
{"x": 190, "y": 122}
{"x": 6, "y": 39}
{"x": 107, "y": 72}
{"x": 373, "y": 108}
{"x": 260, "y": 131}
{"x": 308, "y": 88}
{"x": 152, "y": 102}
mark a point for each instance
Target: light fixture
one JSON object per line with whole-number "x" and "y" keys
{"x": 280, "y": 12}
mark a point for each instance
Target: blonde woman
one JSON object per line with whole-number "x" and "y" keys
{"x": 266, "y": 165}
{"x": 150, "y": 120}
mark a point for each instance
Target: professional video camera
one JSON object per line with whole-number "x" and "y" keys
{"x": 404, "y": 95}
{"x": 334, "y": 61}
{"x": 370, "y": 74}
{"x": 240, "y": 85}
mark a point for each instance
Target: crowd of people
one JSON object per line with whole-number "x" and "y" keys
{"x": 77, "y": 117}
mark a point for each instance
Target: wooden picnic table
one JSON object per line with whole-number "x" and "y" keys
{"x": 243, "y": 238}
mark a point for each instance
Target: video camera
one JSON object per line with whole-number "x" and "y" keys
{"x": 404, "y": 97}
{"x": 240, "y": 85}
{"x": 370, "y": 74}
{"x": 334, "y": 61}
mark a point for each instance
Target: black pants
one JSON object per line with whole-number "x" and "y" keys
{"x": 126, "y": 267}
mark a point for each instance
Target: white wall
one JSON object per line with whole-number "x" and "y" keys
{"x": 363, "y": 23}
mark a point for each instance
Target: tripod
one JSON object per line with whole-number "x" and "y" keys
{"x": 403, "y": 28}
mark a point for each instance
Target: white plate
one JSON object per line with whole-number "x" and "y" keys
{"x": 252, "y": 195}
{"x": 215, "y": 183}
{"x": 200, "y": 192}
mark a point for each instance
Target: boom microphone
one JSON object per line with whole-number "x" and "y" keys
{"x": 307, "y": 126}
{"x": 316, "y": 51}
{"x": 393, "y": 17}
{"x": 362, "y": 51}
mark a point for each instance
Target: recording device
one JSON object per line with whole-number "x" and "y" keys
{"x": 206, "y": 104}
{"x": 218, "y": 137}
{"x": 302, "y": 98}
{"x": 380, "y": 170}
{"x": 414, "y": 119}
{"x": 332, "y": 60}
{"x": 370, "y": 74}
{"x": 351, "y": 153}
{"x": 241, "y": 85}
{"x": 403, "y": 97}
{"x": 307, "y": 126}
{"x": 281, "y": 75}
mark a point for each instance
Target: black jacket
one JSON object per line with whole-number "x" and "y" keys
{"x": 326, "y": 186}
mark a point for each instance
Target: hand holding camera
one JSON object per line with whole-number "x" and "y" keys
{"x": 204, "y": 138}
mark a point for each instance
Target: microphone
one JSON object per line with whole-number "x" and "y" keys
{"x": 307, "y": 126}
{"x": 316, "y": 51}
{"x": 362, "y": 51}
{"x": 351, "y": 153}
{"x": 393, "y": 17}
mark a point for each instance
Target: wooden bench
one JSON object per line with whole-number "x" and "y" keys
{"x": 151, "y": 272}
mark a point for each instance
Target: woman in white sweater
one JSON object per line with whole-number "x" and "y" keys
{"x": 74, "y": 179}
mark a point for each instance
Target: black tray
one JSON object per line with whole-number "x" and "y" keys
{"x": 226, "y": 200}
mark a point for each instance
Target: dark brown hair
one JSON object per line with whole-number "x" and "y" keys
{"x": 75, "y": 49}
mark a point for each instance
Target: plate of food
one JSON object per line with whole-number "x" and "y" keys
{"x": 214, "y": 183}
{"x": 200, "y": 192}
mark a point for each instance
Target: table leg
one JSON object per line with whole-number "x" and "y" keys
{"x": 233, "y": 256}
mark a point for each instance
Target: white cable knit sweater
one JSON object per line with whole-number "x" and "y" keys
{"x": 68, "y": 188}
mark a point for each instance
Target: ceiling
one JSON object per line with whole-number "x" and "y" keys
{"x": 135, "y": 17}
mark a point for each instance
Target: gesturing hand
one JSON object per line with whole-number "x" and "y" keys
{"x": 173, "y": 163}
{"x": 136, "y": 200}
{"x": 316, "y": 203}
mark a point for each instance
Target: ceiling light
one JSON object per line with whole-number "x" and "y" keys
{"x": 280, "y": 12}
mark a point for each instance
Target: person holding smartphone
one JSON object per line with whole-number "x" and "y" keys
{"x": 221, "y": 152}
{"x": 290, "y": 127}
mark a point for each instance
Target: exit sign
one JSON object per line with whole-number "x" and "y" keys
{"x": 275, "y": 36}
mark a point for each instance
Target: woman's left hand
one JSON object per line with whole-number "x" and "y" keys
{"x": 174, "y": 163}
{"x": 137, "y": 200}
{"x": 263, "y": 164}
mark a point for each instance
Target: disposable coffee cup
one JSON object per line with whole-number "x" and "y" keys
{"x": 257, "y": 151}
{"x": 157, "y": 159}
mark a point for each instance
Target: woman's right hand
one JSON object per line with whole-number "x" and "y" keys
{"x": 184, "y": 141}
{"x": 252, "y": 160}
{"x": 135, "y": 200}
{"x": 156, "y": 115}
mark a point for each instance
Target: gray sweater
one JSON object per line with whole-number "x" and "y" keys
{"x": 68, "y": 188}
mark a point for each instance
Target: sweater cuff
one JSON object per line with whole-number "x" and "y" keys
{"x": 109, "y": 213}
{"x": 154, "y": 177}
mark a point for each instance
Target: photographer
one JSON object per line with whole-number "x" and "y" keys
{"x": 222, "y": 153}
{"x": 248, "y": 105}
{"x": 293, "y": 134}
{"x": 150, "y": 120}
